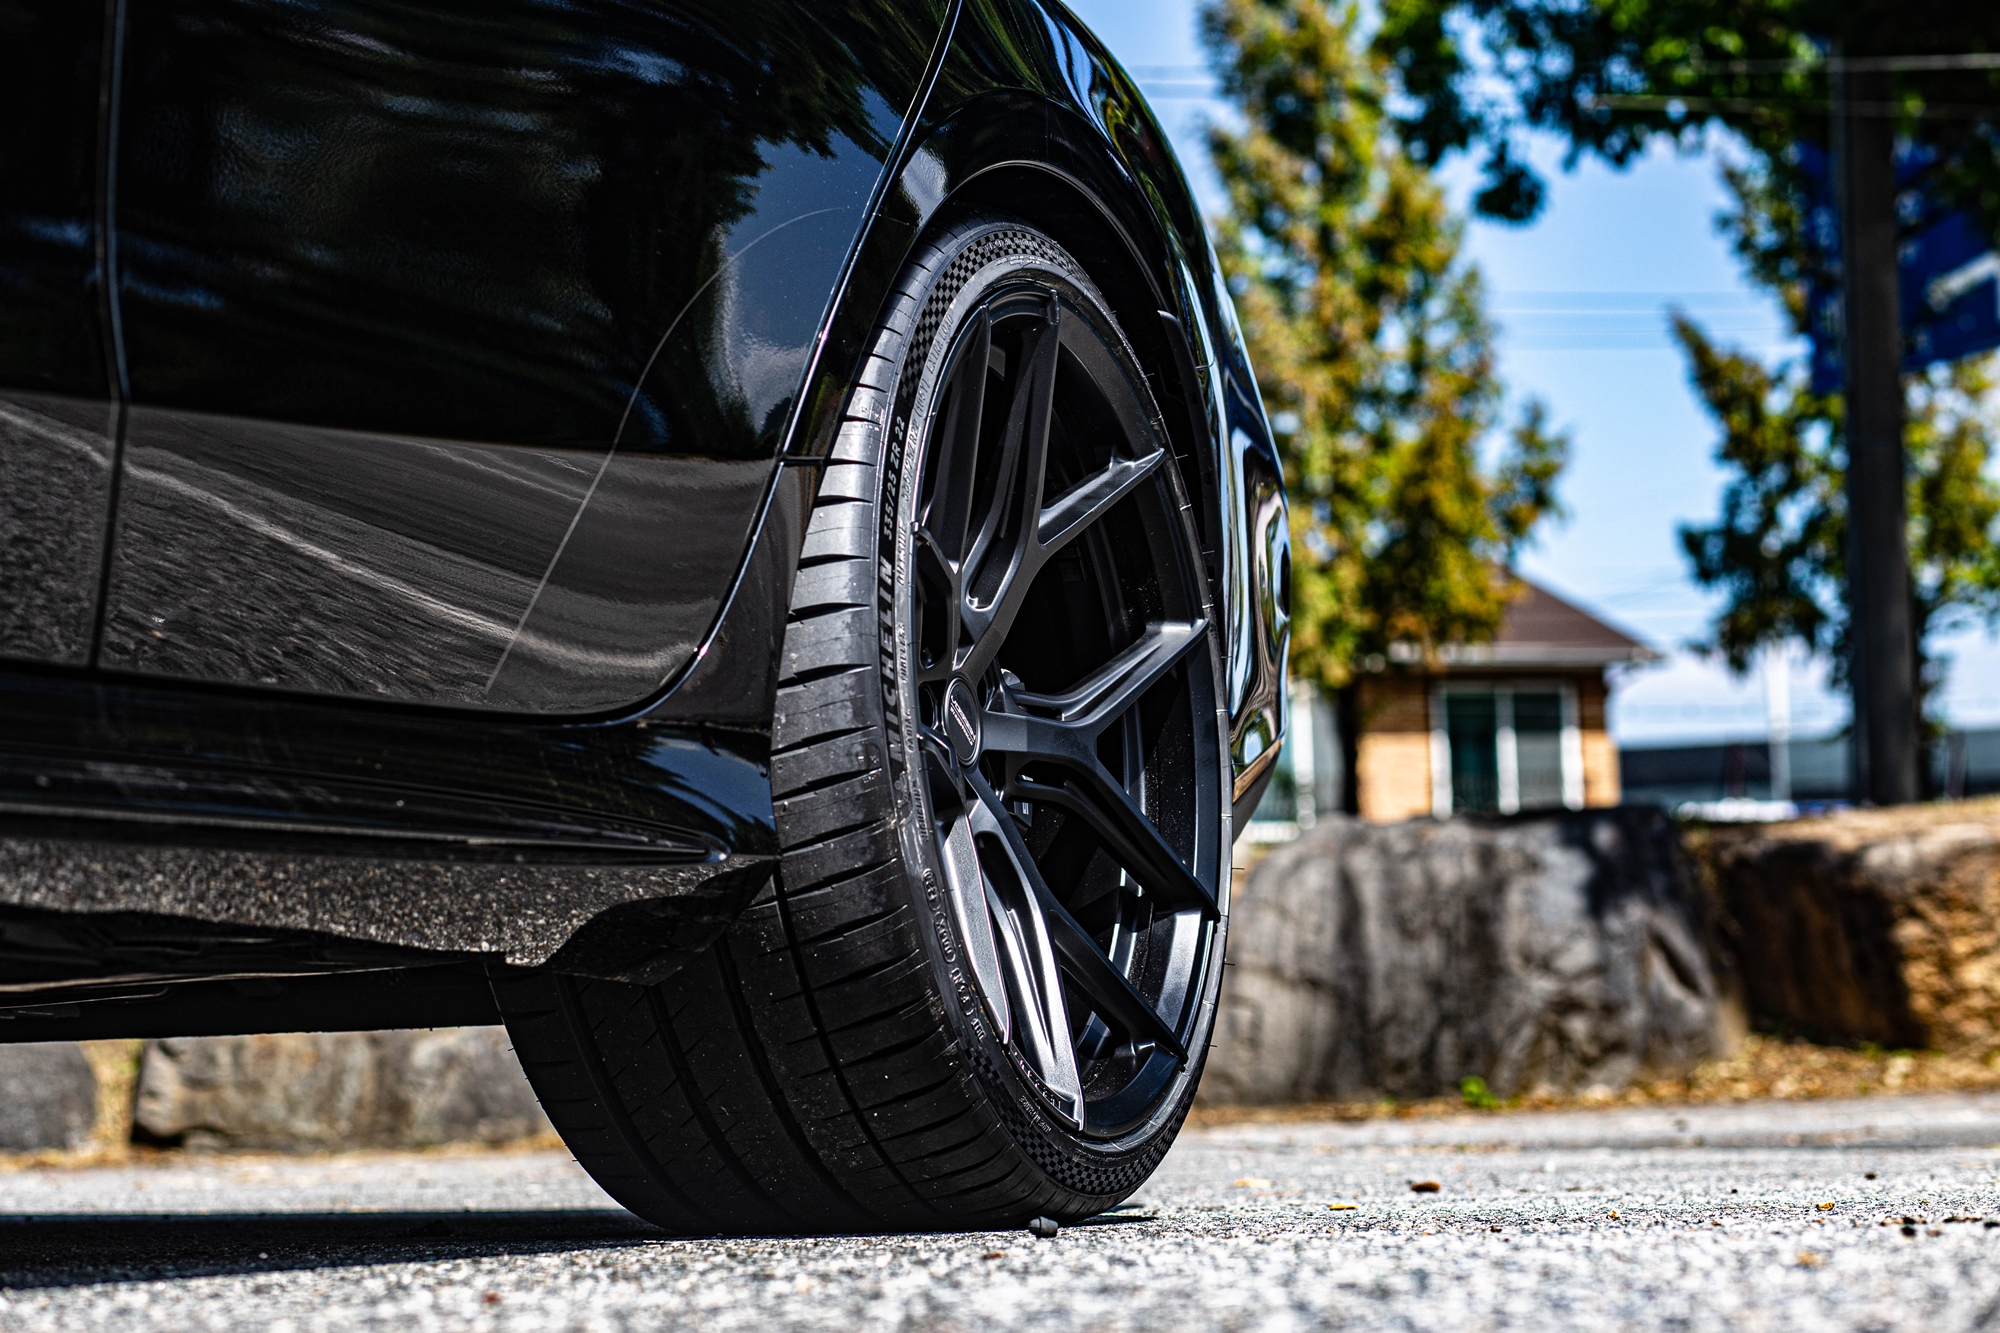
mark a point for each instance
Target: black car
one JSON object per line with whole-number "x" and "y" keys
{"x": 736, "y": 537}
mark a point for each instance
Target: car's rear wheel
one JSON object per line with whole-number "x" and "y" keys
{"x": 981, "y": 989}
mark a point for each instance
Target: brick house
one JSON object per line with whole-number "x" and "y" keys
{"x": 1515, "y": 724}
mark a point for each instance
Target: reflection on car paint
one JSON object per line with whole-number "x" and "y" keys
{"x": 604, "y": 237}
{"x": 256, "y": 540}
{"x": 56, "y": 423}
{"x": 51, "y": 305}
{"x": 630, "y": 597}
{"x": 435, "y": 903}
{"x": 402, "y": 826}
{"x": 247, "y": 552}
{"x": 55, "y": 489}
{"x": 305, "y": 328}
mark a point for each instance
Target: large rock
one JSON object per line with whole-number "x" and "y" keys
{"x": 316, "y": 1091}
{"x": 1868, "y": 926}
{"x": 48, "y": 1097}
{"x": 1566, "y": 951}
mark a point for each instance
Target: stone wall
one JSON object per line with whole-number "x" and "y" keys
{"x": 48, "y": 1097}
{"x": 1867, "y": 926}
{"x": 1563, "y": 951}
{"x": 322, "y": 1091}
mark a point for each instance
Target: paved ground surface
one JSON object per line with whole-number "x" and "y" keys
{"x": 1754, "y": 1217}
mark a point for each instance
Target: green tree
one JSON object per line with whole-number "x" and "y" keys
{"x": 1372, "y": 346}
{"x": 1779, "y": 549}
{"x": 1614, "y": 76}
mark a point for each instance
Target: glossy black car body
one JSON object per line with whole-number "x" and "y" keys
{"x": 408, "y": 417}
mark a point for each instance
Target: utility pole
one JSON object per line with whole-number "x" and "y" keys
{"x": 1882, "y": 668}
{"x": 1778, "y": 717}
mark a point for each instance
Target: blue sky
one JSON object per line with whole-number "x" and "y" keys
{"x": 1581, "y": 296}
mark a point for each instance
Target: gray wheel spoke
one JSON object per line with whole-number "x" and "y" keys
{"x": 950, "y": 511}
{"x": 1039, "y": 532}
{"x": 1033, "y": 737}
{"x": 1090, "y": 500}
{"x": 932, "y": 562}
{"x": 1020, "y": 908}
{"x": 1025, "y": 434}
{"x": 975, "y": 923}
{"x": 1128, "y": 836}
{"x": 1113, "y": 996}
{"x": 1111, "y": 993}
{"x": 1055, "y": 527}
{"x": 1106, "y": 694}
{"x": 1069, "y": 739}
{"x": 1002, "y": 575}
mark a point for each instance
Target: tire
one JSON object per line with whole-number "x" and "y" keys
{"x": 879, "y": 1042}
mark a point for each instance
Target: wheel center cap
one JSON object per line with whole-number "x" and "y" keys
{"x": 961, "y": 722}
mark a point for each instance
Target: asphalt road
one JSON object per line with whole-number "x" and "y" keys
{"x": 1746, "y": 1217}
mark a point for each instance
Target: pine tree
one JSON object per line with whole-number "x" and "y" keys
{"x": 1372, "y": 345}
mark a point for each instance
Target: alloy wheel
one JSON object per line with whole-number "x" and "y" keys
{"x": 1065, "y": 705}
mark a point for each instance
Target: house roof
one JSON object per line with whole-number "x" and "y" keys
{"x": 1540, "y": 629}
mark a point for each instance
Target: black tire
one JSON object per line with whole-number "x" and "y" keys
{"x": 833, "y": 1062}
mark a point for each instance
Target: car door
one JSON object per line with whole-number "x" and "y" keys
{"x": 462, "y": 336}
{"x": 56, "y": 414}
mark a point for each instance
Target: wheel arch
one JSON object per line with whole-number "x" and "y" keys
{"x": 1032, "y": 117}
{"x": 1026, "y": 114}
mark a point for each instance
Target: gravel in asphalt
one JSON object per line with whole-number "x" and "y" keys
{"x": 1881, "y": 1213}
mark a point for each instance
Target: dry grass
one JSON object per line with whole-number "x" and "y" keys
{"x": 1852, "y": 828}
{"x": 1764, "y": 1069}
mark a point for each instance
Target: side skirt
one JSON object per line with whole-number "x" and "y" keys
{"x": 452, "y": 995}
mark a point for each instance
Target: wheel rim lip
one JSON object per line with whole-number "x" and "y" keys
{"x": 1142, "y": 1096}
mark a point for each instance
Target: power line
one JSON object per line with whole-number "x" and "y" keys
{"x": 1874, "y": 110}
{"x": 1185, "y": 91}
{"x": 1853, "y": 64}
{"x": 1963, "y": 60}
{"x": 1633, "y": 294}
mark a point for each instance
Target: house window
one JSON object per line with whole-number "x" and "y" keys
{"x": 1504, "y": 748}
